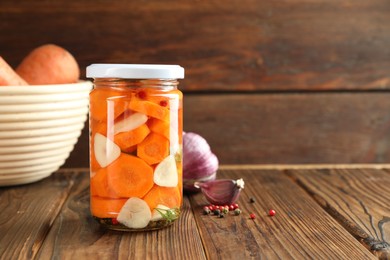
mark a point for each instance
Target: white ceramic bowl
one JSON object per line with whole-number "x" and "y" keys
{"x": 39, "y": 126}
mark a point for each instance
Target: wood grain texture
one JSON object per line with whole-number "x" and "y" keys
{"x": 301, "y": 229}
{"x": 358, "y": 199}
{"x": 300, "y": 128}
{"x": 224, "y": 45}
{"x": 76, "y": 235}
{"x": 27, "y": 214}
{"x": 292, "y": 128}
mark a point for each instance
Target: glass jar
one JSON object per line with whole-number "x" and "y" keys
{"x": 136, "y": 125}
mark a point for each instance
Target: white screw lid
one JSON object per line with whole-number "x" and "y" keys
{"x": 135, "y": 71}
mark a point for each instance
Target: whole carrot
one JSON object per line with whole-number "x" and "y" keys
{"x": 8, "y": 77}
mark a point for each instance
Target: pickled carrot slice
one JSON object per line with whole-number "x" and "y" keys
{"x": 99, "y": 185}
{"x": 127, "y": 140}
{"x": 106, "y": 208}
{"x": 129, "y": 176}
{"x": 159, "y": 126}
{"x": 170, "y": 197}
{"x": 153, "y": 149}
{"x": 149, "y": 108}
{"x": 105, "y": 101}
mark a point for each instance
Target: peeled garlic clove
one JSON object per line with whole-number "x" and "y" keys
{"x": 130, "y": 123}
{"x": 135, "y": 213}
{"x": 221, "y": 192}
{"x": 105, "y": 150}
{"x": 165, "y": 174}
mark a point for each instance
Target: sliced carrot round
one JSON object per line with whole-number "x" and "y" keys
{"x": 129, "y": 176}
{"x": 106, "y": 208}
{"x": 99, "y": 185}
{"x": 149, "y": 108}
{"x": 153, "y": 149}
{"x": 159, "y": 126}
{"x": 106, "y": 102}
{"x": 127, "y": 140}
{"x": 170, "y": 197}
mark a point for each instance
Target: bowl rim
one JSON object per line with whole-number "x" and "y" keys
{"x": 80, "y": 86}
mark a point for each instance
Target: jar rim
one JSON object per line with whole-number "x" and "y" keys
{"x": 135, "y": 71}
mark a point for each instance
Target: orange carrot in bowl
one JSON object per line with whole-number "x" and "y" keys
{"x": 153, "y": 149}
{"x": 8, "y": 77}
{"x": 106, "y": 208}
{"x": 129, "y": 176}
{"x": 49, "y": 64}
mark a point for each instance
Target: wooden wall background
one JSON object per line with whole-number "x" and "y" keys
{"x": 293, "y": 81}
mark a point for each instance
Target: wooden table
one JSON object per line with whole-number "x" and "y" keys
{"x": 325, "y": 213}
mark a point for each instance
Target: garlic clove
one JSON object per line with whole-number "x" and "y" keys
{"x": 135, "y": 213}
{"x": 188, "y": 184}
{"x": 130, "y": 123}
{"x": 105, "y": 150}
{"x": 221, "y": 192}
{"x": 165, "y": 174}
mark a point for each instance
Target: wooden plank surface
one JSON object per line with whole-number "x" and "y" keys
{"x": 225, "y": 45}
{"x": 27, "y": 214}
{"x": 50, "y": 220}
{"x": 358, "y": 199}
{"x": 76, "y": 235}
{"x": 295, "y": 128}
{"x": 300, "y": 128}
{"x": 301, "y": 229}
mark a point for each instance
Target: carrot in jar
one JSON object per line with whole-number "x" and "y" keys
{"x": 149, "y": 108}
{"x": 127, "y": 140}
{"x": 153, "y": 149}
{"x": 129, "y": 176}
{"x": 159, "y": 127}
{"x": 107, "y": 101}
{"x": 166, "y": 196}
{"x": 106, "y": 208}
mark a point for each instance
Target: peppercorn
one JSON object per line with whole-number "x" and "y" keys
{"x": 217, "y": 212}
{"x": 221, "y": 215}
{"x": 272, "y": 212}
{"x": 252, "y": 200}
{"x": 225, "y": 211}
{"x": 206, "y": 210}
{"x": 235, "y": 205}
{"x": 237, "y": 212}
{"x": 252, "y": 215}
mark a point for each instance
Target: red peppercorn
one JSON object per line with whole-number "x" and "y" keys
{"x": 231, "y": 207}
{"x": 235, "y": 205}
{"x": 272, "y": 212}
{"x": 114, "y": 221}
{"x": 163, "y": 103}
{"x": 252, "y": 215}
{"x": 142, "y": 94}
